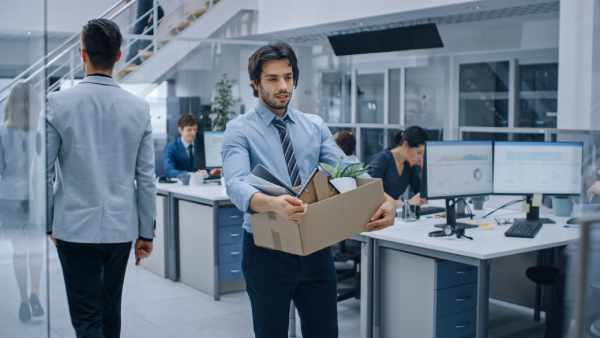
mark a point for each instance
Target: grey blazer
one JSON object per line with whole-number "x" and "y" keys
{"x": 100, "y": 150}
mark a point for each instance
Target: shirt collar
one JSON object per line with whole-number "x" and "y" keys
{"x": 185, "y": 145}
{"x": 268, "y": 116}
{"x": 101, "y": 80}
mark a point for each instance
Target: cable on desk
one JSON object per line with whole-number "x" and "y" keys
{"x": 503, "y": 206}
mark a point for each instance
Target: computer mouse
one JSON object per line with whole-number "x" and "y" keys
{"x": 573, "y": 220}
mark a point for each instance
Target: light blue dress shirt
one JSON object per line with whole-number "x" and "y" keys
{"x": 251, "y": 139}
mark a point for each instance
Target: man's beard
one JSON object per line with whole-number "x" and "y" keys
{"x": 274, "y": 104}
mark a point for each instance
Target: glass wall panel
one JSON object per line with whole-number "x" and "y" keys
{"x": 334, "y": 99}
{"x": 484, "y": 92}
{"x": 23, "y": 244}
{"x": 538, "y": 92}
{"x": 371, "y": 141}
{"x": 395, "y": 86}
{"x": 426, "y": 98}
{"x": 369, "y": 98}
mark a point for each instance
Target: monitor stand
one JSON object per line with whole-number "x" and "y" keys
{"x": 533, "y": 215}
{"x": 451, "y": 217}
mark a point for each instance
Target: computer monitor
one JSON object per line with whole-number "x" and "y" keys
{"x": 454, "y": 169}
{"x": 528, "y": 168}
{"x": 213, "y": 142}
{"x": 457, "y": 169}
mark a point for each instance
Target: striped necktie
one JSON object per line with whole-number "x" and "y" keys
{"x": 288, "y": 151}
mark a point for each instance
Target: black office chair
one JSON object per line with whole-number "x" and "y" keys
{"x": 347, "y": 267}
{"x": 549, "y": 276}
{"x": 595, "y": 325}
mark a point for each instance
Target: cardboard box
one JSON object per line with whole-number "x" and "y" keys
{"x": 330, "y": 217}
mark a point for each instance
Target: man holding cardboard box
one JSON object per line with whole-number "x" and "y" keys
{"x": 290, "y": 144}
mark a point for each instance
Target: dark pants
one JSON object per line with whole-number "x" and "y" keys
{"x": 275, "y": 278}
{"x": 94, "y": 276}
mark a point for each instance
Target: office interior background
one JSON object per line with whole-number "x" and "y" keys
{"x": 509, "y": 70}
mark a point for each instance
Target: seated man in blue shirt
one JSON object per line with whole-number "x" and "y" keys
{"x": 180, "y": 155}
{"x": 290, "y": 144}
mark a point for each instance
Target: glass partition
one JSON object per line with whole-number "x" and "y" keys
{"x": 23, "y": 246}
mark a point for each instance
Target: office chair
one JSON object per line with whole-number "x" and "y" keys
{"x": 347, "y": 267}
{"x": 549, "y": 276}
{"x": 595, "y": 325}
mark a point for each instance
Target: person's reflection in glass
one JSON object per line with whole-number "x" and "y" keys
{"x": 17, "y": 133}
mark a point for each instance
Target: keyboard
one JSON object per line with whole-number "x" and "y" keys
{"x": 424, "y": 211}
{"x": 523, "y": 229}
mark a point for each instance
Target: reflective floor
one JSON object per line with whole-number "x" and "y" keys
{"x": 155, "y": 307}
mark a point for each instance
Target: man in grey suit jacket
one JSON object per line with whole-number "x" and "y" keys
{"x": 100, "y": 154}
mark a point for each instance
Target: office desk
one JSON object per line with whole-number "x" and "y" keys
{"x": 406, "y": 247}
{"x": 204, "y": 238}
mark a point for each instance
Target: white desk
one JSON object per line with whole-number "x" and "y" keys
{"x": 412, "y": 238}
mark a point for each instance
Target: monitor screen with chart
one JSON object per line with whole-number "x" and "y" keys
{"x": 458, "y": 168}
{"x": 213, "y": 142}
{"x": 553, "y": 168}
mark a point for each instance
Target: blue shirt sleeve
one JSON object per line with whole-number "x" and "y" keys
{"x": 236, "y": 167}
{"x": 169, "y": 161}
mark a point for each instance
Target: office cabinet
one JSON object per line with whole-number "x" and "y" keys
{"x": 210, "y": 247}
{"x": 430, "y": 298}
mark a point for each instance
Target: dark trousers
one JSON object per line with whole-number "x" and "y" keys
{"x": 274, "y": 279}
{"x": 94, "y": 276}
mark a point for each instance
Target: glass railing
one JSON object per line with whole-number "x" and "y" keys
{"x": 61, "y": 62}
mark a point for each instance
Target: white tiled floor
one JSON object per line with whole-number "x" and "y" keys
{"x": 155, "y": 307}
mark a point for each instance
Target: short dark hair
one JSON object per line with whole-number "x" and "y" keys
{"x": 346, "y": 141}
{"x": 273, "y": 51}
{"x": 187, "y": 120}
{"x": 414, "y": 136}
{"x": 102, "y": 41}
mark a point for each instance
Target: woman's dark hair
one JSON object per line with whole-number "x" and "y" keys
{"x": 346, "y": 141}
{"x": 414, "y": 136}
{"x": 275, "y": 51}
{"x": 102, "y": 41}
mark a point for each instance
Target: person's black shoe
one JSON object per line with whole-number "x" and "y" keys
{"x": 24, "y": 312}
{"x": 36, "y": 307}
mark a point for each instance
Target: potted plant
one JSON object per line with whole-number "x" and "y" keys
{"x": 221, "y": 109}
{"x": 343, "y": 178}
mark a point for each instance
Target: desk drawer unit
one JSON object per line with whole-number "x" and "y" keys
{"x": 229, "y": 241}
{"x": 230, "y": 215}
{"x": 431, "y": 298}
{"x": 461, "y": 325}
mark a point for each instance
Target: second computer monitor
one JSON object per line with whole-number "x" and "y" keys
{"x": 213, "y": 142}
{"x": 458, "y": 168}
{"x": 538, "y": 167}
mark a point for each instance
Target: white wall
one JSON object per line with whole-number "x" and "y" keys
{"x": 276, "y": 15}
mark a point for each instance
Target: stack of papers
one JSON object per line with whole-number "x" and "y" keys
{"x": 262, "y": 179}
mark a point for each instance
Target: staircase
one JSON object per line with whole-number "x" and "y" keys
{"x": 177, "y": 38}
{"x": 177, "y": 34}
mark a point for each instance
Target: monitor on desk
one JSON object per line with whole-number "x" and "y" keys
{"x": 457, "y": 168}
{"x": 528, "y": 168}
{"x": 213, "y": 142}
{"x": 553, "y": 168}
{"x": 454, "y": 169}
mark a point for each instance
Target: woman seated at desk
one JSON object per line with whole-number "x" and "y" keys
{"x": 399, "y": 166}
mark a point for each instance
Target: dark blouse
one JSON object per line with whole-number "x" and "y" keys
{"x": 394, "y": 184}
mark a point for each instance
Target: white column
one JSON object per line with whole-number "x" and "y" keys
{"x": 579, "y": 65}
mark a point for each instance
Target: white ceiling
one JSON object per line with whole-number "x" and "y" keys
{"x": 480, "y": 11}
